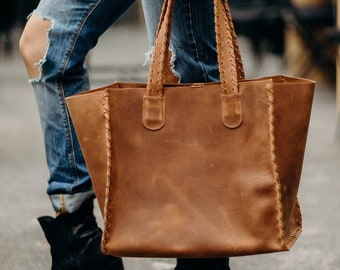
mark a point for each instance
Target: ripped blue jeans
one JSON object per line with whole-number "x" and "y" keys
{"x": 75, "y": 26}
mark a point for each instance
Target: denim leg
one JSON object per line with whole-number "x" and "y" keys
{"x": 193, "y": 42}
{"x": 75, "y": 26}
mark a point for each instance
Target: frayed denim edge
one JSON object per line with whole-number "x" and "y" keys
{"x": 43, "y": 59}
{"x": 148, "y": 58}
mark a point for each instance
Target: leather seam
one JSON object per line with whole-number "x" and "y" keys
{"x": 298, "y": 230}
{"x": 270, "y": 93}
{"x": 107, "y": 116}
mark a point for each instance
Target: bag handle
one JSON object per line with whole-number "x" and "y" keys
{"x": 229, "y": 62}
{"x": 160, "y": 55}
{"x": 228, "y": 51}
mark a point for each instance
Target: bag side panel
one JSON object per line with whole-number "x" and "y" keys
{"x": 292, "y": 110}
{"x": 87, "y": 113}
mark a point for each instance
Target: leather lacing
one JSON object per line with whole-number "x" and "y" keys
{"x": 285, "y": 243}
{"x": 280, "y": 227}
{"x": 298, "y": 231}
{"x": 107, "y": 116}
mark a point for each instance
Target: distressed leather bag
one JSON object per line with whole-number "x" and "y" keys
{"x": 196, "y": 170}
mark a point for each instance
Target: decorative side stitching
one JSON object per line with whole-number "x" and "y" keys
{"x": 107, "y": 116}
{"x": 270, "y": 93}
{"x": 298, "y": 230}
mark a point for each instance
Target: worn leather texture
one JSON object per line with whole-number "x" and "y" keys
{"x": 196, "y": 170}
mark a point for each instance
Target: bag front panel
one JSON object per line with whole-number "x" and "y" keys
{"x": 193, "y": 188}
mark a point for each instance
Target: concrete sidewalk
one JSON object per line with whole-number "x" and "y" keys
{"x": 119, "y": 56}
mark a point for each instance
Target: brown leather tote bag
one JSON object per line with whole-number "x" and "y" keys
{"x": 196, "y": 170}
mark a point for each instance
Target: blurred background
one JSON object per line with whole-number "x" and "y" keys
{"x": 297, "y": 38}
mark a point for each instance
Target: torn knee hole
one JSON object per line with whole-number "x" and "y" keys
{"x": 34, "y": 44}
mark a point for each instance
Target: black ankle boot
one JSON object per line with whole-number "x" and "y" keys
{"x": 75, "y": 241}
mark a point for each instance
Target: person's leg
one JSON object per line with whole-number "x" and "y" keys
{"x": 194, "y": 59}
{"x": 54, "y": 44}
{"x": 193, "y": 42}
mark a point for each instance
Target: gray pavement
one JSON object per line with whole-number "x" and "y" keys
{"x": 119, "y": 56}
